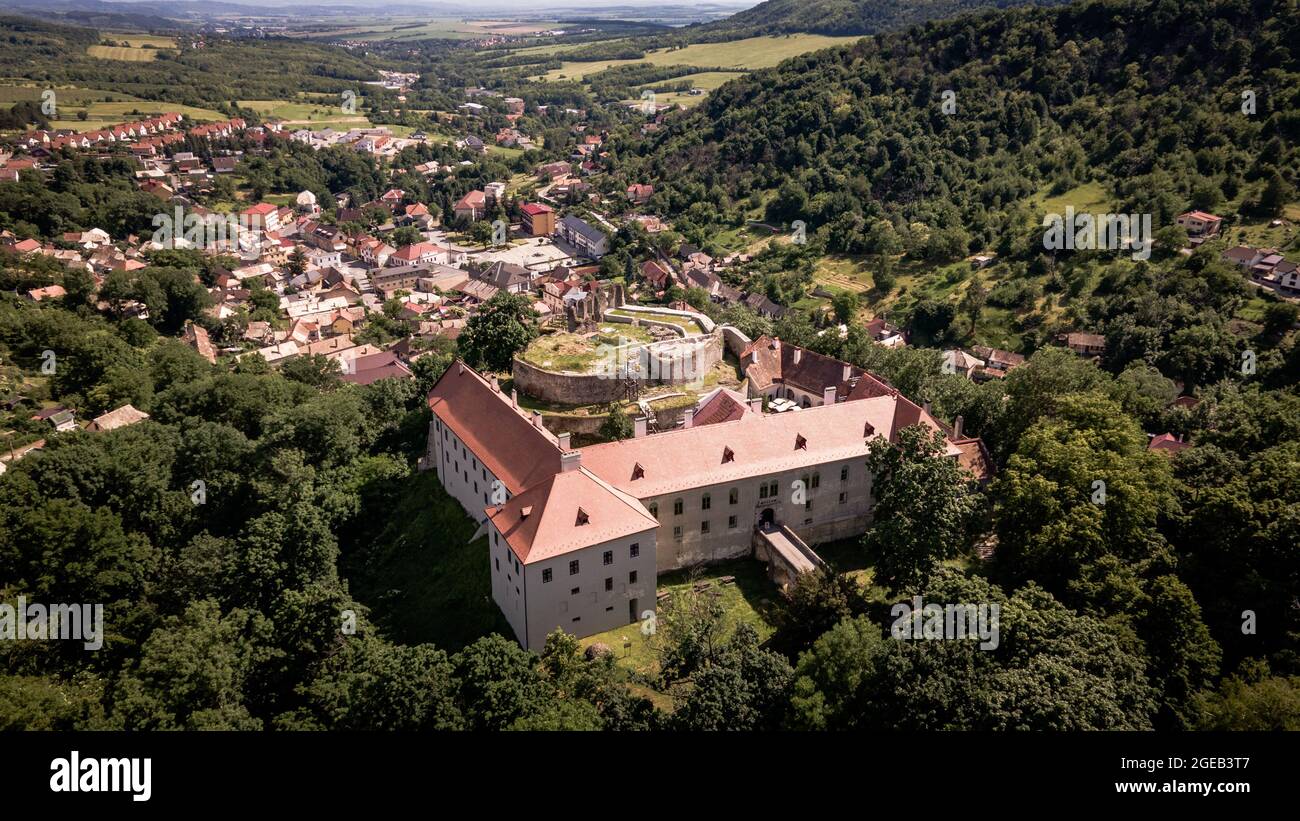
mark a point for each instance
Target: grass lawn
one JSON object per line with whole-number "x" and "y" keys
{"x": 419, "y": 573}
{"x": 1089, "y": 197}
{"x": 750, "y": 599}
{"x": 570, "y": 352}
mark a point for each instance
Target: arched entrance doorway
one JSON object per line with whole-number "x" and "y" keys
{"x": 767, "y": 518}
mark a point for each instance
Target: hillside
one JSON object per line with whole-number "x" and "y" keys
{"x": 844, "y": 16}
{"x": 1142, "y": 99}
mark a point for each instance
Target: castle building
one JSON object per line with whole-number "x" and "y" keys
{"x": 577, "y": 536}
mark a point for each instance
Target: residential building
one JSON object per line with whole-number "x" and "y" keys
{"x": 587, "y": 239}
{"x": 538, "y": 220}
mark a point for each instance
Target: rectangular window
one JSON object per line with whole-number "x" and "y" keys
{"x": 704, "y": 526}
{"x": 608, "y": 557}
{"x": 573, "y": 567}
{"x": 677, "y": 533}
{"x": 574, "y": 591}
{"x": 762, "y": 492}
{"x": 609, "y": 584}
{"x": 546, "y": 576}
{"x": 844, "y": 473}
{"x": 609, "y": 609}
{"x": 677, "y": 507}
{"x": 734, "y": 496}
{"x": 706, "y": 502}
{"x": 635, "y": 550}
{"x": 808, "y": 505}
{"x": 731, "y": 522}
{"x": 498, "y": 561}
{"x": 631, "y": 577}
{"x": 844, "y": 497}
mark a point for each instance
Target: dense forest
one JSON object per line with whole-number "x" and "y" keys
{"x": 839, "y": 16}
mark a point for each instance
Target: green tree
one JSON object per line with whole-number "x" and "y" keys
{"x": 923, "y": 504}
{"x": 503, "y": 327}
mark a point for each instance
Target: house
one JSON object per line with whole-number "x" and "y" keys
{"x": 494, "y": 193}
{"x": 1199, "y": 223}
{"x": 1085, "y": 344}
{"x": 588, "y": 240}
{"x": 224, "y": 165}
{"x": 363, "y": 370}
{"x": 998, "y": 363}
{"x": 553, "y": 171}
{"x": 657, "y": 275}
{"x": 1241, "y": 255}
{"x": 883, "y": 332}
{"x": 576, "y": 537}
{"x": 48, "y": 292}
{"x": 640, "y": 194}
{"x": 778, "y": 370}
{"x": 120, "y": 418}
{"x": 420, "y": 253}
{"x": 1168, "y": 443}
{"x": 196, "y": 336}
{"x": 761, "y": 305}
{"x": 62, "y": 419}
{"x": 471, "y": 207}
{"x": 506, "y": 276}
{"x": 538, "y": 220}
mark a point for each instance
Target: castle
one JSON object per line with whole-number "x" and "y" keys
{"x": 577, "y": 536}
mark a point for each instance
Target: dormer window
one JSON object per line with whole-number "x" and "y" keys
{"x": 800, "y": 443}
{"x": 869, "y": 429}
{"x": 582, "y": 517}
{"x": 728, "y": 455}
{"x": 638, "y": 472}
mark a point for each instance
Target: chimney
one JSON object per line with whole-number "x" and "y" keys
{"x": 956, "y": 427}
{"x": 776, "y": 343}
{"x": 926, "y": 407}
{"x": 828, "y": 395}
{"x": 514, "y": 398}
{"x": 570, "y": 461}
{"x": 526, "y": 512}
{"x": 848, "y": 372}
{"x": 496, "y": 388}
{"x": 639, "y": 427}
{"x": 798, "y": 354}
{"x": 537, "y": 420}
{"x": 688, "y": 418}
{"x": 563, "y": 439}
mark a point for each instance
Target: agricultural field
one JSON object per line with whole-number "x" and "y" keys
{"x": 748, "y": 54}
{"x": 103, "y": 108}
{"x": 426, "y": 29}
{"x": 141, "y": 48}
{"x": 314, "y": 114}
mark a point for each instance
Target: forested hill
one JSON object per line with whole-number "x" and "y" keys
{"x": 1144, "y": 98}
{"x": 845, "y": 16}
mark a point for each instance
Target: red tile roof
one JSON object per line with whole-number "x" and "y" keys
{"x": 516, "y": 451}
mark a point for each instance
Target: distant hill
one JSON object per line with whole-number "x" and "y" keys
{"x": 841, "y": 17}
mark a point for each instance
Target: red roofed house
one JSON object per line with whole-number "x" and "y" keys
{"x": 1168, "y": 443}
{"x": 1200, "y": 223}
{"x": 640, "y": 194}
{"x": 471, "y": 207}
